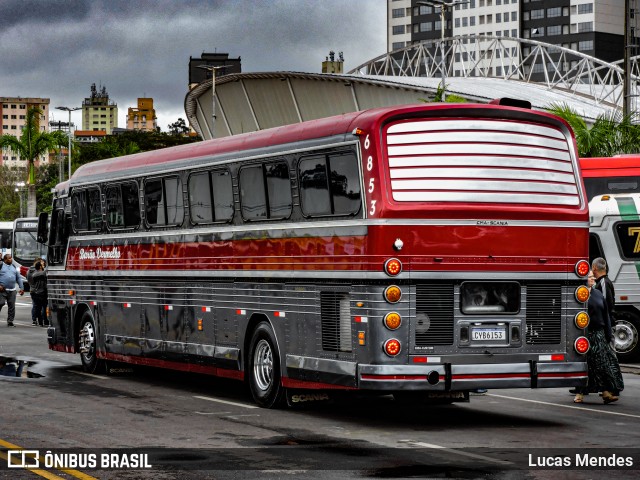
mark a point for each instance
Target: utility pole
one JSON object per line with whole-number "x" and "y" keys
{"x": 626, "y": 90}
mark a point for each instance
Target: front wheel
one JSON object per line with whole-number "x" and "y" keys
{"x": 625, "y": 336}
{"x": 264, "y": 368}
{"x": 87, "y": 343}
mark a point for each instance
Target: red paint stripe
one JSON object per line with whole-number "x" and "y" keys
{"x": 183, "y": 367}
{"x": 303, "y": 384}
{"x": 563, "y": 375}
{"x": 489, "y": 375}
{"x": 394, "y": 377}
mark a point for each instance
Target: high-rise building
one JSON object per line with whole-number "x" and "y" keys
{"x": 143, "y": 117}
{"x": 198, "y": 75}
{"x": 13, "y": 114}
{"x": 594, "y": 27}
{"x": 331, "y": 65}
{"x": 98, "y": 112}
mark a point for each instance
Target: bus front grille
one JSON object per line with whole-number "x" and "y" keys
{"x": 434, "y": 314}
{"x": 544, "y": 314}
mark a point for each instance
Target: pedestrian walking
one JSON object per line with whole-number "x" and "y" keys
{"x": 37, "y": 278}
{"x": 10, "y": 286}
{"x": 604, "y": 372}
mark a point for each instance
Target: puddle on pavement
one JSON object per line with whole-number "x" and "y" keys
{"x": 18, "y": 367}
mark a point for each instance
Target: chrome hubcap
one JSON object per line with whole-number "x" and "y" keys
{"x": 625, "y": 336}
{"x": 263, "y": 365}
{"x": 87, "y": 341}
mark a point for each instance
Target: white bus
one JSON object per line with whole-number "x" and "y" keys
{"x": 615, "y": 236}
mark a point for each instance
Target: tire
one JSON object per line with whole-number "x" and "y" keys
{"x": 264, "y": 368}
{"x": 87, "y": 343}
{"x": 626, "y": 335}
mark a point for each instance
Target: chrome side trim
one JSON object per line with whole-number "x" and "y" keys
{"x": 339, "y": 367}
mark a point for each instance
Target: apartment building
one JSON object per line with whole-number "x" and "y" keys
{"x": 98, "y": 111}
{"x": 143, "y": 117}
{"x": 593, "y": 27}
{"x": 13, "y": 114}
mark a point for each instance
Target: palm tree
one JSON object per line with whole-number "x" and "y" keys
{"x": 32, "y": 144}
{"x": 610, "y": 134}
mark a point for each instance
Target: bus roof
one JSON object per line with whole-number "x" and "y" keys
{"x": 617, "y": 166}
{"x": 268, "y": 140}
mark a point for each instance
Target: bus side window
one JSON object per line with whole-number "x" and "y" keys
{"x": 58, "y": 236}
{"x": 123, "y": 205}
{"x": 79, "y": 210}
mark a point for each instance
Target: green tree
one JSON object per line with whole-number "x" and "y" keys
{"x": 32, "y": 144}
{"x": 611, "y": 134}
{"x": 179, "y": 127}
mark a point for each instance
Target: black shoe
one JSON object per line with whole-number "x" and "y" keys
{"x": 34, "y": 323}
{"x": 575, "y": 391}
{"x": 10, "y": 324}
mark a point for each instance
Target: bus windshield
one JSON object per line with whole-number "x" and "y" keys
{"x": 26, "y": 247}
{"x": 606, "y": 185}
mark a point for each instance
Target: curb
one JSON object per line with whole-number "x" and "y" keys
{"x": 630, "y": 368}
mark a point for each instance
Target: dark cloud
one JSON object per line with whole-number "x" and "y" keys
{"x": 57, "y": 49}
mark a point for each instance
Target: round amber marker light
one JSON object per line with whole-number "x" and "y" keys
{"x": 582, "y": 320}
{"x": 392, "y": 347}
{"x": 393, "y": 267}
{"x": 392, "y": 294}
{"x": 582, "y": 345}
{"x": 392, "y": 320}
{"x": 582, "y": 294}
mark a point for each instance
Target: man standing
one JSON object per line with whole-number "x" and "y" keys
{"x": 9, "y": 277}
{"x": 604, "y": 284}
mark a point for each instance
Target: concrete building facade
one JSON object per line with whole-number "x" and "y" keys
{"x": 98, "y": 111}
{"x": 13, "y": 112}
{"x": 593, "y": 27}
{"x": 143, "y": 117}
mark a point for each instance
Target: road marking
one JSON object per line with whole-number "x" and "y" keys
{"x": 609, "y": 412}
{"x": 227, "y": 402}
{"x": 100, "y": 377}
{"x": 462, "y": 454}
{"x": 45, "y": 473}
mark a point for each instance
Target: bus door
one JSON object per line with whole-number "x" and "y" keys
{"x": 6, "y": 232}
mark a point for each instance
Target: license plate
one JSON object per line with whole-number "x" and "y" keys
{"x": 488, "y": 334}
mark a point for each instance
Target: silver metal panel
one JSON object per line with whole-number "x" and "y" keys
{"x": 321, "y": 365}
{"x": 476, "y": 160}
{"x": 477, "y": 137}
{"x": 227, "y": 353}
{"x": 483, "y": 185}
{"x": 478, "y": 148}
{"x": 490, "y": 368}
{"x": 484, "y": 197}
{"x": 236, "y": 108}
{"x": 478, "y": 126}
{"x": 481, "y": 173}
{"x": 319, "y": 99}
{"x": 272, "y": 102}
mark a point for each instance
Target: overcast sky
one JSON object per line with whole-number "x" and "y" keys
{"x": 135, "y": 48}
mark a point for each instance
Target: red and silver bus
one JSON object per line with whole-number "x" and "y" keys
{"x": 611, "y": 175}
{"x": 423, "y": 250}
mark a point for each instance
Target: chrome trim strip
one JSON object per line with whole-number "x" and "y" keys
{"x": 479, "y": 138}
{"x": 480, "y": 173}
{"x": 334, "y": 275}
{"x": 491, "y": 149}
{"x": 339, "y": 367}
{"x": 484, "y": 185}
{"x": 288, "y": 228}
{"x": 480, "y": 160}
{"x": 476, "y": 197}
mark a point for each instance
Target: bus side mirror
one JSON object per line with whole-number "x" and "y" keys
{"x": 43, "y": 227}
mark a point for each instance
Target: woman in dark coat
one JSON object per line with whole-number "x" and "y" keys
{"x": 604, "y": 372}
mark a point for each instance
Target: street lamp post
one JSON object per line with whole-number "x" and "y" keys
{"x": 212, "y": 69}
{"x": 69, "y": 109}
{"x": 20, "y": 191}
{"x": 443, "y": 14}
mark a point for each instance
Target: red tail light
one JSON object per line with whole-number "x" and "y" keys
{"x": 582, "y": 345}
{"x": 392, "y": 267}
{"x": 392, "y": 347}
{"x": 582, "y": 268}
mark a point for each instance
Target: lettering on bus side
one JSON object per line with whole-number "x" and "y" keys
{"x": 367, "y": 154}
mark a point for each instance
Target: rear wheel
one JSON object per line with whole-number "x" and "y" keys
{"x": 264, "y": 368}
{"x": 87, "y": 341}
{"x": 625, "y": 336}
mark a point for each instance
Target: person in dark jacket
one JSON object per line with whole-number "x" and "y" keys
{"x": 37, "y": 278}
{"x": 604, "y": 372}
{"x": 605, "y": 285}
{"x": 10, "y": 286}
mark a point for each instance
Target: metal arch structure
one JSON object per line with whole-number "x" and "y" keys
{"x": 523, "y": 60}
